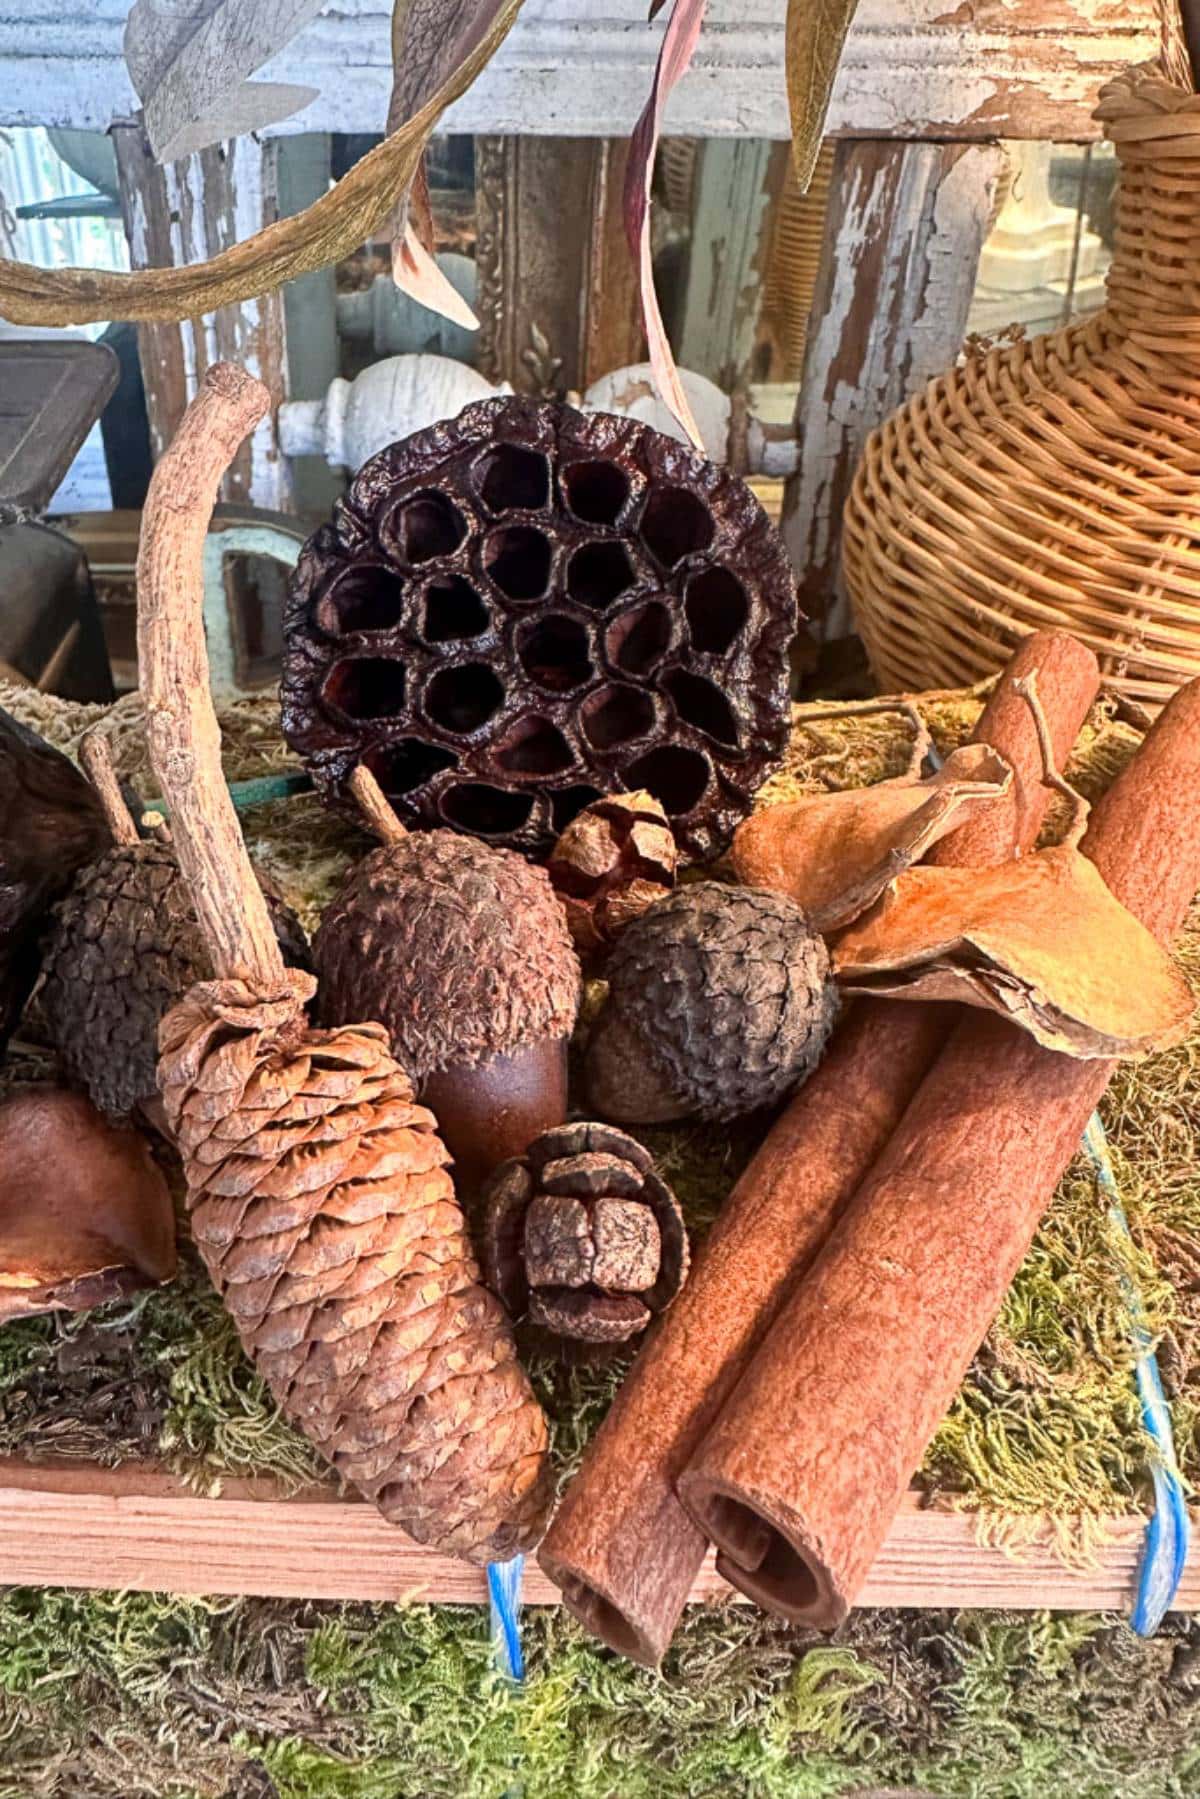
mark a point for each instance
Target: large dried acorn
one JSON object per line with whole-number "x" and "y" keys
{"x": 521, "y": 609}
{"x": 582, "y": 1236}
{"x": 123, "y": 948}
{"x": 719, "y": 1001}
{"x": 462, "y": 952}
{"x": 611, "y": 864}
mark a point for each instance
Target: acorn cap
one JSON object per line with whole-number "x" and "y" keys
{"x": 124, "y": 947}
{"x": 460, "y": 949}
{"x": 720, "y": 1000}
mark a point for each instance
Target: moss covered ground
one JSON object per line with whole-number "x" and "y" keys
{"x": 143, "y": 1695}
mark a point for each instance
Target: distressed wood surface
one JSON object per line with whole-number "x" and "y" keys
{"x": 189, "y": 64}
{"x": 906, "y": 223}
{"x": 182, "y": 212}
{"x": 557, "y": 297}
{"x": 978, "y": 69}
{"x": 135, "y": 1527}
{"x": 735, "y": 181}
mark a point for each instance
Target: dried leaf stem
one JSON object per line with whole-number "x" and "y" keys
{"x": 95, "y": 757}
{"x": 181, "y": 724}
{"x": 835, "y": 710}
{"x": 378, "y": 816}
{"x": 1081, "y": 809}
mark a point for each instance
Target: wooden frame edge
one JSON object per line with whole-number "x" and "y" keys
{"x": 136, "y": 1527}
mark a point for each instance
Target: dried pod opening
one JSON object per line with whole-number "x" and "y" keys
{"x": 487, "y": 811}
{"x": 675, "y": 524}
{"x": 555, "y": 652}
{"x": 701, "y": 703}
{"x": 401, "y": 767}
{"x": 637, "y": 641}
{"x": 518, "y": 558}
{"x": 595, "y": 491}
{"x": 677, "y": 777}
{"x": 365, "y": 687}
{"x": 367, "y": 598}
{"x": 461, "y": 699}
{"x": 615, "y": 715}
{"x": 453, "y": 610}
{"x": 717, "y": 609}
{"x": 599, "y": 573}
{"x": 427, "y": 526}
{"x": 569, "y": 802}
{"x": 513, "y": 479}
{"x": 533, "y": 746}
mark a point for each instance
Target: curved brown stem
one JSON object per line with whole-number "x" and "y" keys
{"x": 378, "y": 815}
{"x": 1027, "y": 687}
{"x": 95, "y": 758}
{"x": 834, "y": 711}
{"x": 181, "y": 723}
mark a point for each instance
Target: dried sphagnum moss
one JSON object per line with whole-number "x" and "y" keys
{"x": 1047, "y": 1419}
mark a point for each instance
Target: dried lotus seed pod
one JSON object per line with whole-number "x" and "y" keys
{"x": 522, "y": 609}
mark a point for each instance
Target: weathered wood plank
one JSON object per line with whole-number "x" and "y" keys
{"x": 557, "y": 297}
{"x": 182, "y": 212}
{"x": 735, "y": 181}
{"x": 978, "y": 69}
{"x": 906, "y": 223}
{"x": 134, "y": 1527}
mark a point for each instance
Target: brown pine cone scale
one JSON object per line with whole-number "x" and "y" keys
{"x": 322, "y": 1205}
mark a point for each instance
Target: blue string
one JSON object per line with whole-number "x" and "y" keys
{"x": 253, "y": 792}
{"x": 504, "y": 1604}
{"x": 1165, "y": 1550}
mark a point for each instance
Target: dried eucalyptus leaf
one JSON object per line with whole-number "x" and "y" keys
{"x": 835, "y": 853}
{"x": 674, "y": 58}
{"x": 816, "y": 34}
{"x": 1042, "y": 941}
{"x": 332, "y": 227}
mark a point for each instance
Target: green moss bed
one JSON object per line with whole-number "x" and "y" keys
{"x": 152, "y": 1695}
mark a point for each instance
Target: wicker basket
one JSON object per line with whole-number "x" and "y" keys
{"x": 1057, "y": 481}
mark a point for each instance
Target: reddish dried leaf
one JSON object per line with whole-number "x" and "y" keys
{"x": 1042, "y": 941}
{"x": 835, "y": 853}
{"x": 674, "y": 58}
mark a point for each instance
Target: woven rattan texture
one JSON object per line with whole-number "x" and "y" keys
{"x": 1056, "y": 481}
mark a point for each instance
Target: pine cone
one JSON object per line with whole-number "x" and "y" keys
{"x": 322, "y": 1206}
{"x": 519, "y": 610}
{"x": 719, "y": 1001}
{"x": 124, "y": 947}
{"x": 583, "y": 1236}
{"x": 50, "y": 826}
{"x": 611, "y": 864}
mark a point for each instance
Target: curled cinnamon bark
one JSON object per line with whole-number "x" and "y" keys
{"x": 802, "y": 1473}
{"x": 621, "y": 1547}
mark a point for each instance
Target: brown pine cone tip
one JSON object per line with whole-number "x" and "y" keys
{"x": 719, "y": 1002}
{"x": 322, "y": 1206}
{"x": 522, "y": 609}
{"x": 583, "y": 1236}
{"x": 124, "y": 946}
{"x": 611, "y": 864}
{"x": 458, "y": 948}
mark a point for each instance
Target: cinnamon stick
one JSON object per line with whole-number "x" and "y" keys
{"x": 622, "y": 1548}
{"x": 799, "y": 1478}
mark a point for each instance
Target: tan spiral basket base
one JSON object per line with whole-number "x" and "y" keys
{"x": 1056, "y": 482}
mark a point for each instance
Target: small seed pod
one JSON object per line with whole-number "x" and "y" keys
{"x": 611, "y": 864}
{"x": 462, "y": 952}
{"x": 583, "y": 1237}
{"x": 719, "y": 1001}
